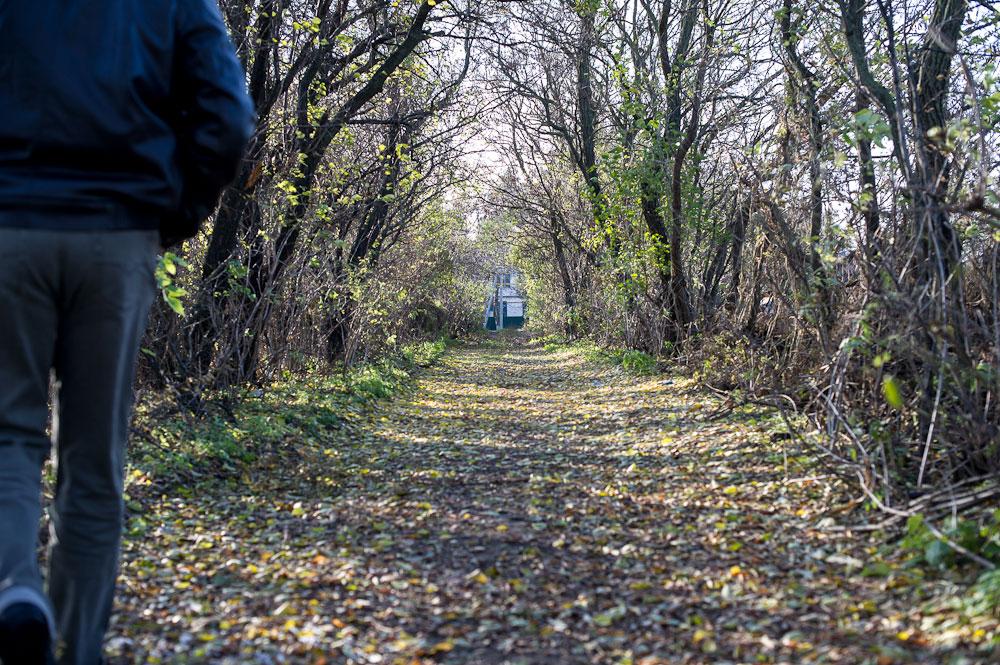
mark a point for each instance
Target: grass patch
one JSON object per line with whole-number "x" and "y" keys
{"x": 297, "y": 411}
{"x": 425, "y": 354}
{"x": 377, "y": 381}
{"x": 552, "y": 342}
{"x": 636, "y": 363}
{"x": 639, "y": 363}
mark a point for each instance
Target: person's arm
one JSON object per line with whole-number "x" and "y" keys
{"x": 215, "y": 117}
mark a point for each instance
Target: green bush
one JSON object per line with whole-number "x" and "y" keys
{"x": 377, "y": 381}
{"x": 634, "y": 362}
{"x": 984, "y": 596}
{"x": 424, "y": 354}
{"x": 637, "y": 362}
{"x": 552, "y": 342}
{"x": 596, "y": 354}
{"x": 388, "y": 376}
{"x": 927, "y": 549}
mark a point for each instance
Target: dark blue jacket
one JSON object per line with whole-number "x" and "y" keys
{"x": 117, "y": 114}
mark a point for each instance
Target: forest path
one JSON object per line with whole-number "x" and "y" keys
{"x": 522, "y": 505}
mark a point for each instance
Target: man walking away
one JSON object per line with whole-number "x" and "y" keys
{"x": 120, "y": 122}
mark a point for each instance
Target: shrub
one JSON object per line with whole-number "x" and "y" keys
{"x": 984, "y": 596}
{"x": 927, "y": 549}
{"x": 639, "y": 363}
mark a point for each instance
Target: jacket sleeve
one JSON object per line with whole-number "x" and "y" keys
{"x": 214, "y": 116}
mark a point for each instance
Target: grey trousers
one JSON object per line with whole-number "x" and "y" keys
{"x": 75, "y": 303}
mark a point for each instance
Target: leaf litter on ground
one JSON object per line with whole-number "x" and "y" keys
{"x": 520, "y": 505}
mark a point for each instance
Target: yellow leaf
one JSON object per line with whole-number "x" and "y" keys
{"x": 893, "y": 395}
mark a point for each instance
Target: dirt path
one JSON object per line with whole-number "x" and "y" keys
{"x": 522, "y": 506}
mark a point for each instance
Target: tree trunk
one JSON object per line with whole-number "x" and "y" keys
{"x": 569, "y": 296}
{"x": 588, "y": 121}
{"x": 869, "y": 197}
{"x": 929, "y": 83}
{"x": 803, "y": 84}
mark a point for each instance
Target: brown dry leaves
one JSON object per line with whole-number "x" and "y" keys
{"x": 523, "y": 506}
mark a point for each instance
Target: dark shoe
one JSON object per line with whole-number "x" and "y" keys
{"x": 24, "y": 636}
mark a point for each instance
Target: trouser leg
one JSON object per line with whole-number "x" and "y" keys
{"x": 27, "y": 340}
{"x": 108, "y": 290}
